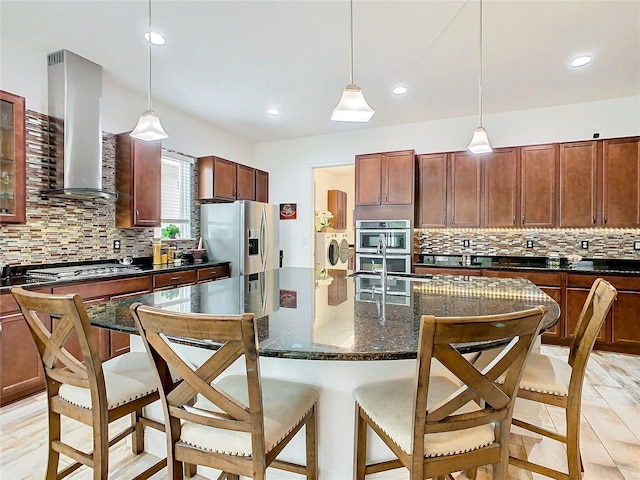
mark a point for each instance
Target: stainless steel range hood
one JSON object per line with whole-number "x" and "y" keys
{"x": 75, "y": 105}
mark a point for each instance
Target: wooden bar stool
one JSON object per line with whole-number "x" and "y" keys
{"x": 436, "y": 426}
{"x": 87, "y": 390}
{"x": 556, "y": 382}
{"x": 237, "y": 424}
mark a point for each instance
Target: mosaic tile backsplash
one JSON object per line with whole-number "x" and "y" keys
{"x": 602, "y": 242}
{"x": 62, "y": 230}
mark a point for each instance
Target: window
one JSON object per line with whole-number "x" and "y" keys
{"x": 176, "y": 193}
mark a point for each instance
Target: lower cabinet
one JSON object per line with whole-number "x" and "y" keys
{"x": 619, "y": 333}
{"x": 20, "y": 368}
{"x": 21, "y": 371}
{"x": 549, "y": 283}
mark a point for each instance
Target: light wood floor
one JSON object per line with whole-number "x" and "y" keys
{"x": 610, "y": 431}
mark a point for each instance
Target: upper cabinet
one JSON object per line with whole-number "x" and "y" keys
{"x": 539, "y": 171}
{"x": 500, "y": 172}
{"x": 432, "y": 185}
{"x": 621, "y": 183}
{"x": 224, "y": 180}
{"x": 465, "y": 180}
{"x": 385, "y": 178}
{"x": 245, "y": 182}
{"x": 138, "y": 169}
{"x": 12, "y": 158}
{"x": 600, "y": 183}
{"x": 509, "y": 187}
{"x": 337, "y": 204}
{"x": 578, "y": 184}
{"x": 262, "y": 186}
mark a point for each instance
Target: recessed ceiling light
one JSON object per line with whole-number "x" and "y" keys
{"x": 273, "y": 112}
{"x": 580, "y": 61}
{"x": 155, "y": 38}
{"x": 400, "y": 90}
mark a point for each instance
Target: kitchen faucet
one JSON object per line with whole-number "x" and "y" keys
{"x": 382, "y": 250}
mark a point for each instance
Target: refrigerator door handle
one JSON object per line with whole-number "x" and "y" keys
{"x": 263, "y": 238}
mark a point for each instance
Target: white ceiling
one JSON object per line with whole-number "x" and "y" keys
{"x": 226, "y": 62}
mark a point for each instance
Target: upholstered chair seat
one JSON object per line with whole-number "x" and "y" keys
{"x": 285, "y": 405}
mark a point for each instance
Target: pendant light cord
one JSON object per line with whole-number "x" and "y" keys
{"x": 149, "y": 77}
{"x": 351, "y": 73}
{"x": 480, "y": 77}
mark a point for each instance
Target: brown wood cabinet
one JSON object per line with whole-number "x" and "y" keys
{"x": 621, "y": 183}
{"x": 538, "y": 173}
{"x": 465, "y": 196}
{"x": 12, "y": 159}
{"x": 245, "y": 182}
{"x": 550, "y": 283}
{"x": 432, "y": 187}
{"x": 138, "y": 170}
{"x": 578, "y": 184}
{"x": 208, "y": 274}
{"x": 262, "y": 186}
{"x": 172, "y": 279}
{"x": 216, "y": 178}
{"x": 337, "y": 289}
{"x": 337, "y": 204}
{"x": 385, "y": 178}
{"x": 224, "y": 180}
{"x": 21, "y": 373}
{"x": 500, "y": 193}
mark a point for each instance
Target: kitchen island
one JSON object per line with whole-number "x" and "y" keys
{"x": 325, "y": 328}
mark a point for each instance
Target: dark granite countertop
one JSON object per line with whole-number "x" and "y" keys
{"x": 144, "y": 265}
{"x": 586, "y": 265}
{"x": 305, "y": 315}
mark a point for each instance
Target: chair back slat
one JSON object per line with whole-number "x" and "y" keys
{"x": 594, "y": 312}
{"x": 438, "y": 339}
{"x": 236, "y": 334}
{"x": 58, "y": 363}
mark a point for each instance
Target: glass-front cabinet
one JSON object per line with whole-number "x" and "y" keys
{"x": 12, "y": 158}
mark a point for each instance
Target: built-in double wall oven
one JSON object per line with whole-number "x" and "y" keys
{"x": 399, "y": 241}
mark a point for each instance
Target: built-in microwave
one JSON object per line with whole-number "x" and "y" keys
{"x": 398, "y": 237}
{"x": 372, "y": 262}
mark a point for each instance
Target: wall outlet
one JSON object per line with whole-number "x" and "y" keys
{"x": 636, "y": 245}
{"x": 116, "y": 244}
{"x": 466, "y": 243}
{"x": 529, "y": 243}
{"x": 584, "y": 244}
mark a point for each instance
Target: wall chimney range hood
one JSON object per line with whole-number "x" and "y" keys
{"x": 75, "y": 105}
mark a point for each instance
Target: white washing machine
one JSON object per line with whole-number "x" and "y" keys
{"x": 332, "y": 250}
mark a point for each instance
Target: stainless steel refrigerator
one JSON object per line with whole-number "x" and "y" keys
{"x": 244, "y": 233}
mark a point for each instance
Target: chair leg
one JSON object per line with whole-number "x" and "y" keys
{"x": 54, "y": 435}
{"x": 574, "y": 461}
{"x": 472, "y": 473}
{"x": 312, "y": 446}
{"x": 190, "y": 469}
{"x": 361, "y": 445}
{"x": 137, "y": 437}
{"x": 100, "y": 449}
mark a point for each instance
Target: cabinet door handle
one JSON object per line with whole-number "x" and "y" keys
{"x": 605, "y": 218}
{"x": 523, "y": 219}
{"x": 594, "y": 218}
{"x": 137, "y": 214}
{"x": 452, "y": 219}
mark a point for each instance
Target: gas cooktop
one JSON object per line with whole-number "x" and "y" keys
{"x": 82, "y": 271}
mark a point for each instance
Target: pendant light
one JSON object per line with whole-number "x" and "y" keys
{"x": 352, "y": 106}
{"x": 149, "y": 128}
{"x": 480, "y": 141}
